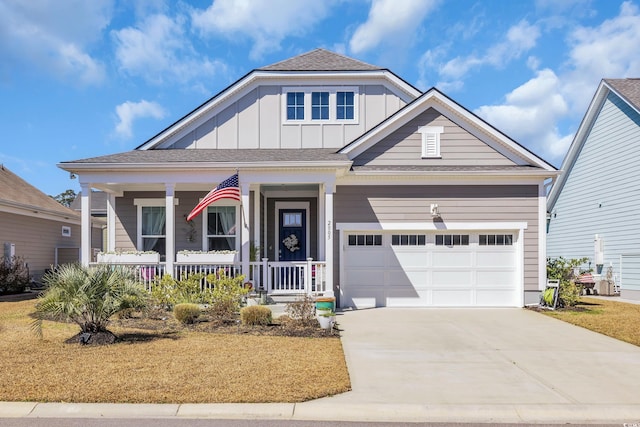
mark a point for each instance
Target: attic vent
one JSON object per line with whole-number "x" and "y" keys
{"x": 431, "y": 141}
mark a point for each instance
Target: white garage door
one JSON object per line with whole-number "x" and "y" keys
{"x": 430, "y": 269}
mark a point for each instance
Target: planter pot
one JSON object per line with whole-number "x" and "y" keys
{"x": 153, "y": 258}
{"x": 208, "y": 258}
{"x": 326, "y": 322}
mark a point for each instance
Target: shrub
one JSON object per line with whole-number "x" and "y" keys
{"x": 564, "y": 270}
{"x": 186, "y": 313}
{"x": 226, "y": 296}
{"x": 167, "y": 291}
{"x": 14, "y": 275}
{"x": 256, "y": 315}
{"x": 302, "y": 311}
{"x": 88, "y": 296}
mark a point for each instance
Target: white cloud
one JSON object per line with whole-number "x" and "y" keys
{"x": 530, "y": 113}
{"x": 519, "y": 39}
{"x": 390, "y": 21}
{"x": 54, "y": 36}
{"x": 265, "y": 22}
{"x": 129, "y": 111}
{"x": 609, "y": 50}
{"x": 158, "y": 49}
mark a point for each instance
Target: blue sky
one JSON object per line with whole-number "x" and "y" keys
{"x": 85, "y": 78}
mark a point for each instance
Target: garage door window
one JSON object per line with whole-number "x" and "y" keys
{"x": 496, "y": 240}
{"x": 365, "y": 239}
{"x": 408, "y": 239}
{"x": 452, "y": 240}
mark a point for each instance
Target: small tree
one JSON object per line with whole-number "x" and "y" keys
{"x": 65, "y": 198}
{"x": 564, "y": 270}
{"x": 88, "y": 296}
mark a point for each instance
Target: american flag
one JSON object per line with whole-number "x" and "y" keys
{"x": 228, "y": 189}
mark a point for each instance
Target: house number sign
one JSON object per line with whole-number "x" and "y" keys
{"x": 328, "y": 230}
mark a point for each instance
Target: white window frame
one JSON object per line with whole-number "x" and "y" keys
{"x": 431, "y": 141}
{"x": 205, "y": 224}
{"x": 333, "y": 104}
{"x": 140, "y": 203}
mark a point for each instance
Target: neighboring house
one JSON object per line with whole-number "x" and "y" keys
{"x": 399, "y": 198}
{"x": 593, "y": 205}
{"x": 35, "y": 227}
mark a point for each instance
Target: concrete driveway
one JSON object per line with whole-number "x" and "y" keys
{"x": 509, "y": 365}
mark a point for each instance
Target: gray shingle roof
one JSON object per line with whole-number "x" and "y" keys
{"x": 17, "y": 191}
{"x": 320, "y": 60}
{"x": 628, "y": 88}
{"x": 204, "y": 155}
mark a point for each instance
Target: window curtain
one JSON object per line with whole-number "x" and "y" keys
{"x": 228, "y": 221}
{"x": 153, "y": 226}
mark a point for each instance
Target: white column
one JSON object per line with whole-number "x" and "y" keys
{"x": 85, "y": 221}
{"x": 542, "y": 236}
{"x": 170, "y": 227}
{"x": 111, "y": 222}
{"x": 322, "y": 226}
{"x": 256, "y": 220}
{"x": 244, "y": 224}
{"x": 328, "y": 234}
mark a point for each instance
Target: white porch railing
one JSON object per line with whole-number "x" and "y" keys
{"x": 298, "y": 277}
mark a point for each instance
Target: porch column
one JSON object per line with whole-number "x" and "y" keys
{"x": 244, "y": 223}
{"x": 111, "y": 222}
{"x": 170, "y": 228}
{"x": 328, "y": 235}
{"x": 85, "y": 223}
{"x": 256, "y": 221}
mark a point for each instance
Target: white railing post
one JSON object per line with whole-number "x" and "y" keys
{"x": 308, "y": 277}
{"x": 265, "y": 274}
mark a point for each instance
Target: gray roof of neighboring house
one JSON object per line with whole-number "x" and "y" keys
{"x": 627, "y": 88}
{"x": 98, "y": 202}
{"x": 320, "y": 60}
{"x": 19, "y": 193}
{"x": 205, "y": 155}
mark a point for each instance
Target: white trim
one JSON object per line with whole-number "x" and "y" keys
{"x": 332, "y": 90}
{"x": 431, "y": 141}
{"x": 542, "y": 237}
{"x": 291, "y": 205}
{"x": 430, "y": 226}
{"x": 154, "y": 202}
{"x": 111, "y": 222}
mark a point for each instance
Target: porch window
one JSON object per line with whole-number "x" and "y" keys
{"x": 153, "y": 228}
{"x": 222, "y": 230}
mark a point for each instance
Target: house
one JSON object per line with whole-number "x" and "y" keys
{"x": 35, "y": 227}
{"x": 98, "y": 215}
{"x": 593, "y": 205}
{"x": 352, "y": 182}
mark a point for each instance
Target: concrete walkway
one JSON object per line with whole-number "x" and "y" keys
{"x": 443, "y": 365}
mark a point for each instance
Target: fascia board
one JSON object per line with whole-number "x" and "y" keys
{"x": 578, "y": 141}
{"x": 38, "y": 212}
{"x": 251, "y": 81}
{"x": 541, "y": 173}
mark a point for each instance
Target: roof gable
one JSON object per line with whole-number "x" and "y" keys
{"x": 628, "y": 91}
{"x": 474, "y": 125}
{"x": 18, "y": 194}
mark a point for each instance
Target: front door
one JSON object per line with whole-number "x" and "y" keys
{"x": 293, "y": 235}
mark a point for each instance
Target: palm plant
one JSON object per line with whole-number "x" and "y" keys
{"x": 88, "y": 296}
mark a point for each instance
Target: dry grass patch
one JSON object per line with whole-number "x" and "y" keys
{"x": 163, "y": 366}
{"x": 612, "y": 318}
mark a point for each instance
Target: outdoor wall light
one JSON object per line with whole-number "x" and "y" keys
{"x": 435, "y": 210}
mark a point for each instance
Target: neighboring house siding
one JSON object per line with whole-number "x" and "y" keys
{"x": 601, "y": 194}
{"x": 255, "y": 121}
{"x": 35, "y": 239}
{"x": 457, "y": 146}
{"x": 482, "y": 203}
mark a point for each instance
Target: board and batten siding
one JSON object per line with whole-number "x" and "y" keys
{"x": 601, "y": 194}
{"x": 457, "y": 203}
{"x": 255, "y": 121}
{"x": 36, "y": 239}
{"x": 457, "y": 146}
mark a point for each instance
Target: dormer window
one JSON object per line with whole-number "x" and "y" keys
{"x": 431, "y": 141}
{"x": 320, "y": 105}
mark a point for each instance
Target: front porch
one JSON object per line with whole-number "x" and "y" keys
{"x": 269, "y": 277}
